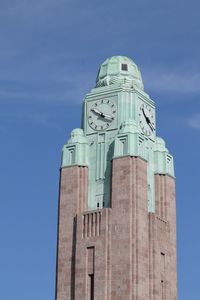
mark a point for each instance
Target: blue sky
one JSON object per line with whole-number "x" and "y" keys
{"x": 50, "y": 51}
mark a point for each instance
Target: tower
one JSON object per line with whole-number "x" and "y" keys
{"x": 116, "y": 215}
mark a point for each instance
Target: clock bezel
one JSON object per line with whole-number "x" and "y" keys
{"x": 147, "y": 130}
{"x": 107, "y": 124}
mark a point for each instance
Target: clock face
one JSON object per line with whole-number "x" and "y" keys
{"x": 102, "y": 114}
{"x": 146, "y": 119}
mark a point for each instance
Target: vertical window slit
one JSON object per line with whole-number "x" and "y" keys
{"x": 163, "y": 267}
{"x": 162, "y": 289}
{"x": 91, "y": 287}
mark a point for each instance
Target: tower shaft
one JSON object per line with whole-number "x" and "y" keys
{"x": 117, "y": 211}
{"x": 122, "y": 252}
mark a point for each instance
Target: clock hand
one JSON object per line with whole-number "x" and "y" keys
{"x": 107, "y": 116}
{"x": 151, "y": 126}
{"x": 144, "y": 113}
{"x": 149, "y": 123}
{"x": 96, "y": 111}
{"x": 148, "y": 120}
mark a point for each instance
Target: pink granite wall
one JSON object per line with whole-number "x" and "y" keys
{"x": 72, "y": 200}
{"x": 162, "y": 237}
{"x": 122, "y": 252}
{"x": 129, "y": 230}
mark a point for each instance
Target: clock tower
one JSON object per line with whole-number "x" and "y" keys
{"x": 116, "y": 218}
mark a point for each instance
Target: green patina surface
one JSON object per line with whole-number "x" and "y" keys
{"x": 118, "y": 119}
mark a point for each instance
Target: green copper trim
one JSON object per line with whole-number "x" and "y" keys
{"x": 129, "y": 141}
{"x": 163, "y": 161}
{"x": 75, "y": 152}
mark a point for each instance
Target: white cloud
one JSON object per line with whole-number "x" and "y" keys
{"x": 43, "y": 42}
{"x": 173, "y": 81}
{"x": 194, "y": 121}
{"x": 64, "y": 89}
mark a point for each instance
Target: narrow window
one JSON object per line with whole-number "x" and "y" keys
{"x": 124, "y": 67}
{"x": 162, "y": 290}
{"x": 90, "y": 273}
{"x": 91, "y": 287}
{"x": 163, "y": 276}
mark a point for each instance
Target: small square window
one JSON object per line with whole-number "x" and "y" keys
{"x": 124, "y": 67}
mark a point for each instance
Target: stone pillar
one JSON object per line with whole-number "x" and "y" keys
{"x": 72, "y": 200}
{"x": 129, "y": 230}
{"x": 162, "y": 236}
